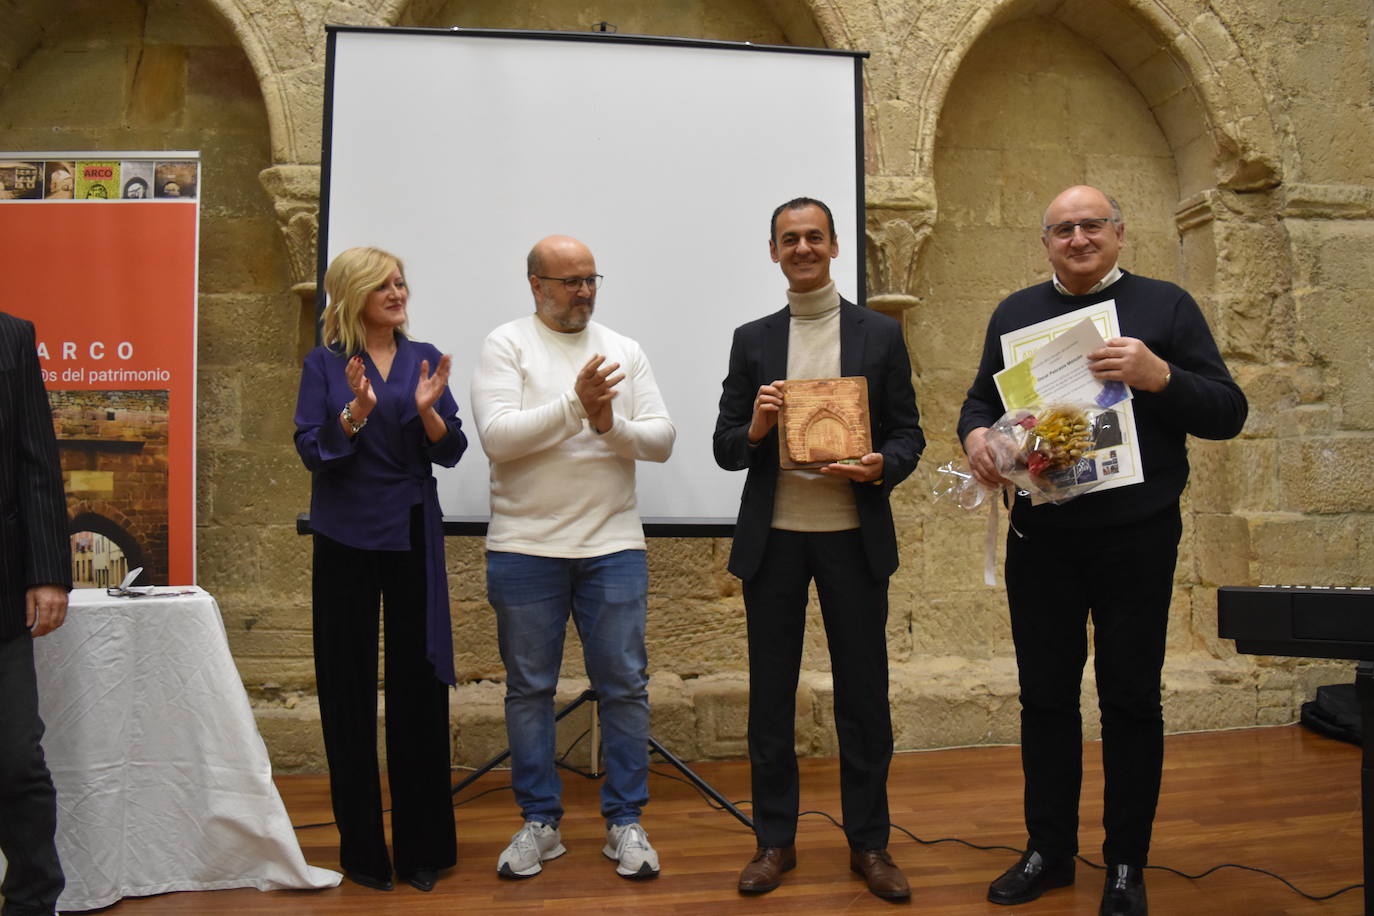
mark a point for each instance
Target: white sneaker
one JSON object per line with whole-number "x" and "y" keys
{"x": 532, "y": 844}
{"x": 628, "y": 845}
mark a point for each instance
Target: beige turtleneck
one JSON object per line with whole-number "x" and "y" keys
{"x": 808, "y": 500}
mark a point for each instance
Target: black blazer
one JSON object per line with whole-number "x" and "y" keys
{"x": 871, "y": 345}
{"x": 34, "y": 544}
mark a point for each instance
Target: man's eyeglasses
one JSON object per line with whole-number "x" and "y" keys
{"x": 573, "y": 284}
{"x": 1090, "y": 227}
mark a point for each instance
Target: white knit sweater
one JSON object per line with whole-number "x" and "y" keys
{"x": 558, "y": 489}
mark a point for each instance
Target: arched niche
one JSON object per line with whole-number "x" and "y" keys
{"x": 1179, "y": 55}
{"x": 1037, "y": 106}
{"x": 1034, "y": 109}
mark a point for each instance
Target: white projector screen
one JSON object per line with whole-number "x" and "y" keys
{"x": 459, "y": 149}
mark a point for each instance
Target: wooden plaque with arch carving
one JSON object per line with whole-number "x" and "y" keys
{"x": 823, "y": 420}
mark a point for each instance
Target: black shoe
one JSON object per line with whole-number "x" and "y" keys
{"x": 1124, "y": 892}
{"x": 422, "y": 879}
{"x": 1029, "y": 878}
{"x": 377, "y": 884}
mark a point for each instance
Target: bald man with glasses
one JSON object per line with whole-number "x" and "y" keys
{"x": 564, "y": 407}
{"x": 1110, "y": 553}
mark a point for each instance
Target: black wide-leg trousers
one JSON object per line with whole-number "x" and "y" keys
{"x": 349, "y": 584}
{"x": 854, "y": 610}
{"x": 28, "y": 802}
{"x": 1122, "y": 575}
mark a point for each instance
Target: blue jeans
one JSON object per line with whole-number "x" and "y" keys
{"x": 608, "y": 598}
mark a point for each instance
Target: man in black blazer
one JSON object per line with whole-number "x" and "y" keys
{"x": 35, "y": 576}
{"x": 833, "y": 525}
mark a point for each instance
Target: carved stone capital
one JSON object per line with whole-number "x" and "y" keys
{"x": 900, "y": 214}
{"x": 295, "y": 192}
{"x": 1196, "y": 211}
{"x": 1219, "y": 205}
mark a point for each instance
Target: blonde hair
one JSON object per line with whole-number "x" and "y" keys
{"x": 351, "y": 277}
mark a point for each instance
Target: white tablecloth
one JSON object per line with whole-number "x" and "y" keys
{"x": 163, "y": 782}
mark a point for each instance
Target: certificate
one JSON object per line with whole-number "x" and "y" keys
{"x": 1059, "y": 376}
{"x": 1059, "y": 373}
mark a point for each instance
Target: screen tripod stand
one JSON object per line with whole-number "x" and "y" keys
{"x": 589, "y": 696}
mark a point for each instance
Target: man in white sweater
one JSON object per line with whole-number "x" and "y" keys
{"x": 564, "y": 408}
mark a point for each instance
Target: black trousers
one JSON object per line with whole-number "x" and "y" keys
{"x": 28, "y": 803}
{"x": 1124, "y": 577}
{"x": 348, "y": 585}
{"x": 854, "y": 609}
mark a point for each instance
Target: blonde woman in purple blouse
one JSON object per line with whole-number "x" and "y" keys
{"x": 373, "y": 415}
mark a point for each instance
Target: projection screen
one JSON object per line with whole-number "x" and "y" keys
{"x": 459, "y": 149}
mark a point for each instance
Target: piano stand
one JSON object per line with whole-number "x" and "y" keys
{"x": 1314, "y": 622}
{"x": 1364, "y": 688}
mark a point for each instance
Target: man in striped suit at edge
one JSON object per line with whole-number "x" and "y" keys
{"x": 35, "y": 576}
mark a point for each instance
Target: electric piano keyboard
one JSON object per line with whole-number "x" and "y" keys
{"x": 1308, "y": 621}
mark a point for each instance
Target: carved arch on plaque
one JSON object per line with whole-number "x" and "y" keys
{"x": 826, "y": 436}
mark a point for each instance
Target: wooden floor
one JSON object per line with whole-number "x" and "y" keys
{"x": 1280, "y": 799}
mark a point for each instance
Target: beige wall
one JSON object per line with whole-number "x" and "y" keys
{"x": 1236, "y": 135}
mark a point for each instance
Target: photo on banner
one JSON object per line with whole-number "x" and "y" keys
{"x": 115, "y": 238}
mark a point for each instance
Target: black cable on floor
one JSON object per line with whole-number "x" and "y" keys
{"x": 924, "y": 842}
{"x": 1291, "y": 885}
{"x": 998, "y": 847}
{"x": 1091, "y": 864}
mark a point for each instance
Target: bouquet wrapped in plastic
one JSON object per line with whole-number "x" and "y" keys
{"x": 1048, "y": 451}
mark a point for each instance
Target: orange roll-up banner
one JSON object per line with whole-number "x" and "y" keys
{"x": 101, "y": 253}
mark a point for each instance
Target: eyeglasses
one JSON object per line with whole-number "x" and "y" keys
{"x": 573, "y": 284}
{"x": 1090, "y": 227}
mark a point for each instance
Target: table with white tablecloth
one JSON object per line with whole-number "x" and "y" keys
{"x": 163, "y": 782}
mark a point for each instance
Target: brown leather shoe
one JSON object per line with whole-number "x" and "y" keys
{"x": 884, "y": 878}
{"x": 764, "y": 871}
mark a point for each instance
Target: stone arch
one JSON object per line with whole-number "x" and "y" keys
{"x": 767, "y": 21}
{"x": 826, "y": 436}
{"x": 278, "y": 64}
{"x": 1181, "y": 58}
{"x": 109, "y": 522}
{"x": 250, "y": 33}
{"x": 25, "y": 28}
{"x": 1026, "y": 117}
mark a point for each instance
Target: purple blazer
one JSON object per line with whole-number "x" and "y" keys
{"x": 363, "y": 487}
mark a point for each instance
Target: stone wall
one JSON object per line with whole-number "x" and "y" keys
{"x": 1235, "y": 134}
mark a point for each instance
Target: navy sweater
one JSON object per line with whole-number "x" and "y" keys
{"x": 1201, "y": 398}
